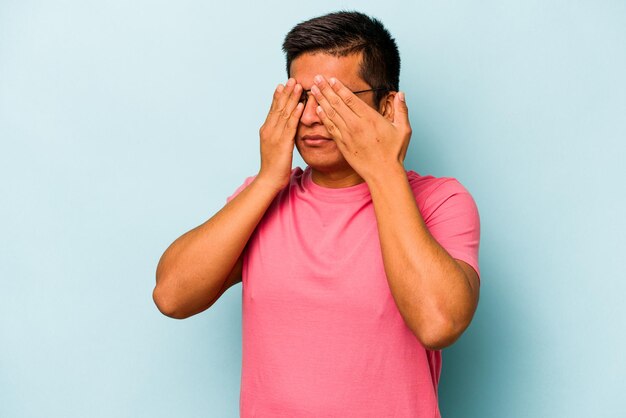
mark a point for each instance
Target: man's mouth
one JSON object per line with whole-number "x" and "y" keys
{"x": 315, "y": 139}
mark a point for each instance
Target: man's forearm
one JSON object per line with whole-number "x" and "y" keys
{"x": 194, "y": 268}
{"x": 429, "y": 287}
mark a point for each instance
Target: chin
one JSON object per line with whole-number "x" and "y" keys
{"x": 325, "y": 165}
{"x": 321, "y": 159}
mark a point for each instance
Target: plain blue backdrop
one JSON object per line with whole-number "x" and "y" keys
{"x": 124, "y": 124}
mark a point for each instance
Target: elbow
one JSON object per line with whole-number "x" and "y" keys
{"x": 437, "y": 339}
{"x": 166, "y": 304}
{"x": 438, "y": 335}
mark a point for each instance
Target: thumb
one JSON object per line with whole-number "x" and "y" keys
{"x": 401, "y": 111}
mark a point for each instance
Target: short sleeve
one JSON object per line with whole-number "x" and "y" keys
{"x": 240, "y": 188}
{"x": 453, "y": 220}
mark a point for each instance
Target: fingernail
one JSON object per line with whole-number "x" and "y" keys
{"x": 319, "y": 109}
{"x": 317, "y": 79}
{"x": 290, "y": 82}
{"x": 315, "y": 90}
{"x": 401, "y": 96}
{"x": 332, "y": 81}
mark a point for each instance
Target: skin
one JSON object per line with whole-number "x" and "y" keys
{"x": 346, "y": 140}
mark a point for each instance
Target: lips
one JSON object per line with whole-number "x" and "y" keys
{"x": 315, "y": 140}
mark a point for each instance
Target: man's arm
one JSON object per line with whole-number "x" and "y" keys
{"x": 201, "y": 264}
{"x": 197, "y": 265}
{"x": 435, "y": 294}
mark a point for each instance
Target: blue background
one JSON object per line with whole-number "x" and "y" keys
{"x": 124, "y": 124}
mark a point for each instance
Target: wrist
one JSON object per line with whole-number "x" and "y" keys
{"x": 271, "y": 183}
{"x": 383, "y": 175}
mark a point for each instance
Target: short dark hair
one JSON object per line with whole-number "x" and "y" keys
{"x": 345, "y": 33}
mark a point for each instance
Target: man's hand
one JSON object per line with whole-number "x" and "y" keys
{"x": 278, "y": 133}
{"x": 370, "y": 142}
{"x": 199, "y": 266}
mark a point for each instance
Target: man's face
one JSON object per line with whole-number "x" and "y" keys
{"x": 313, "y": 141}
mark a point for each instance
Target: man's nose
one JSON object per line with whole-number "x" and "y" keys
{"x": 309, "y": 115}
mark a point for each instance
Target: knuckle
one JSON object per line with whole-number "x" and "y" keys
{"x": 350, "y": 100}
{"x": 335, "y": 101}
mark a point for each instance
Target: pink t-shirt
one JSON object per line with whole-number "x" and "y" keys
{"x": 322, "y": 335}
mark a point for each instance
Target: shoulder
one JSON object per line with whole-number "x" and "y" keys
{"x": 239, "y": 189}
{"x": 427, "y": 186}
{"x": 434, "y": 194}
{"x": 296, "y": 177}
{"x": 450, "y": 214}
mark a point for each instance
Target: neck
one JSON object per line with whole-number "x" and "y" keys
{"x": 336, "y": 179}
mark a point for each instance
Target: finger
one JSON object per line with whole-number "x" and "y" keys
{"x": 401, "y": 111}
{"x": 281, "y": 94}
{"x": 278, "y": 91}
{"x": 401, "y": 120}
{"x": 279, "y": 123}
{"x": 287, "y": 114}
{"x": 330, "y": 125}
{"x": 292, "y": 102}
{"x": 292, "y": 123}
{"x": 335, "y": 101}
{"x": 350, "y": 99}
{"x": 330, "y": 111}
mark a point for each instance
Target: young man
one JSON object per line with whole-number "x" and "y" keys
{"x": 355, "y": 272}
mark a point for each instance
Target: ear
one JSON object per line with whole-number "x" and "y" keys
{"x": 385, "y": 107}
